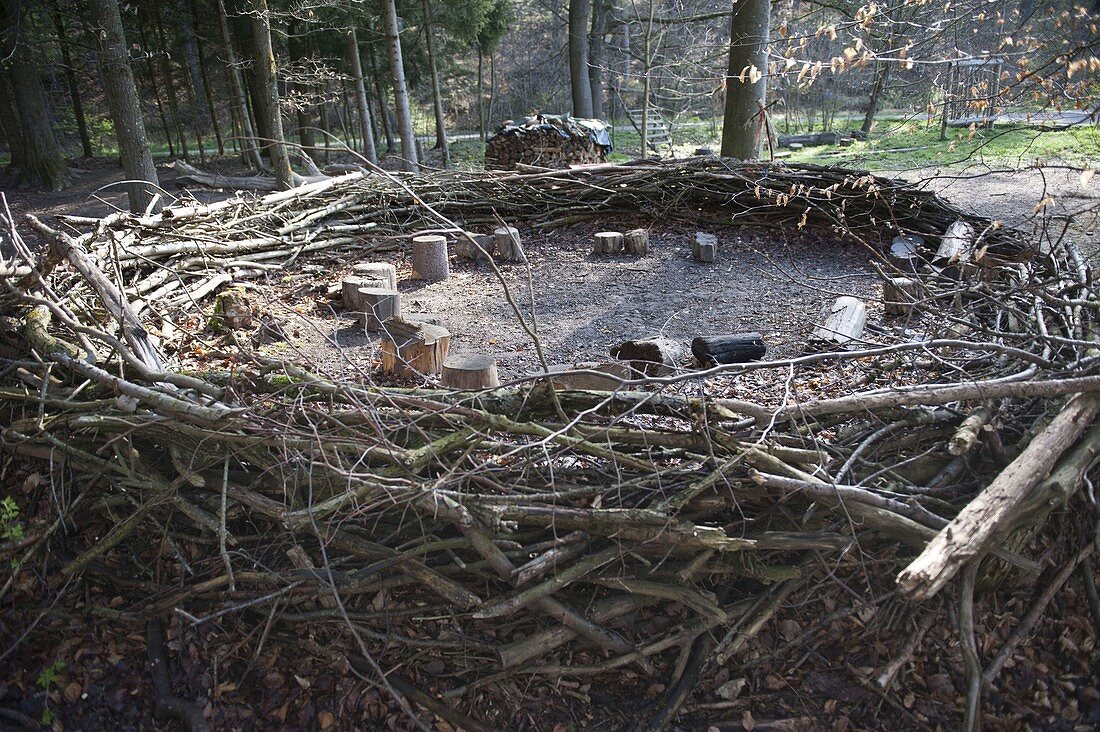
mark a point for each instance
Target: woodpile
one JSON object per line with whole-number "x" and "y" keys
{"x": 548, "y": 141}
{"x": 551, "y": 533}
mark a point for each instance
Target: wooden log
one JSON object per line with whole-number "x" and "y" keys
{"x": 1000, "y": 507}
{"x": 899, "y": 295}
{"x": 467, "y": 246}
{"x": 413, "y": 348}
{"x": 732, "y": 348}
{"x": 429, "y": 258}
{"x": 608, "y": 376}
{"x": 426, "y": 318}
{"x": 349, "y": 290}
{"x": 508, "y": 244}
{"x": 383, "y": 271}
{"x": 840, "y": 323}
{"x": 607, "y": 242}
{"x": 473, "y": 371}
{"x": 636, "y": 241}
{"x": 956, "y": 244}
{"x": 905, "y": 253}
{"x": 651, "y": 356}
{"x": 379, "y": 305}
{"x": 704, "y": 247}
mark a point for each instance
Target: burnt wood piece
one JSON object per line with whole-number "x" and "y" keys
{"x": 413, "y": 348}
{"x": 704, "y": 246}
{"x": 650, "y": 356}
{"x": 732, "y": 348}
{"x": 429, "y": 258}
{"x": 471, "y": 371}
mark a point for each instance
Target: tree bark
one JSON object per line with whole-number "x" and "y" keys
{"x": 579, "y": 14}
{"x": 125, "y": 104}
{"x": 597, "y": 47}
{"x": 437, "y": 98}
{"x": 9, "y": 122}
{"x": 266, "y": 79}
{"x": 196, "y": 89}
{"x": 742, "y": 127}
{"x": 400, "y": 90}
{"x": 875, "y": 99}
{"x": 302, "y": 114}
{"x": 383, "y": 108}
{"x": 70, "y": 80}
{"x": 366, "y": 126}
{"x": 170, "y": 84}
{"x": 209, "y": 93}
{"x": 43, "y": 161}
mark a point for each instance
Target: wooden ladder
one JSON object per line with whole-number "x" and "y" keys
{"x": 659, "y": 135}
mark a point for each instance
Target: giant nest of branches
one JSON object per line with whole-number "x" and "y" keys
{"x": 460, "y": 549}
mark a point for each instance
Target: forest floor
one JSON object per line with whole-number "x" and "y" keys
{"x": 77, "y": 671}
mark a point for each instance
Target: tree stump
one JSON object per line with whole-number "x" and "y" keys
{"x": 508, "y": 244}
{"x": 350, "y": 286}
{"x": 429, "y": 258}
{"x": 609, "y": 376}
{"x": 426, "y": 318}
{"x": 382, "y": 271}
{"x": 899, "y": 295}
{"x": 467, "y": 249}
{"x": 636, "y": 241}
{"x": 733, "y": 348}
{"x": 379, "y": 305}
{"x": 704, "y": 247}
{"x": 470, "y": 372}
{"x": 651, "y": 356}
{"x": 607, "y": 242}
{"x": 905, "y": 252}
{"x": 840, "y": 323}
{"x": 414, "y": 348}
{"x": 232, "y": 310}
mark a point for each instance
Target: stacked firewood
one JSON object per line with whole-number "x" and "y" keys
{"x": 549, "y": 142}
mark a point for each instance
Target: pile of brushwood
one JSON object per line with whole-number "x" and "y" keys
{"x": 456, "y": 548}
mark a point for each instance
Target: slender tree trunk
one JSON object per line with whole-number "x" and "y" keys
{"x": 201, "y": 113}
{"x": 579, "y": 13}
{"x": 481, "y": 116}
{"x": 383, "y": 108}
{"x": 266, "y": 80}
{"x": 326, "y": 128}
{"x": 437, "y": 98}
{"x": 43, "y": 161}
{"x": 125, "y": 104}
{"x": 746, "y": 80}
{"x": 597, "y": 47}
{"x": 70, "y": 79}
{"x": 355, "y": 65}
{"x": 9, "y": 120}
{"x": 204, "y": 76}
{"x": 492, "y": 91}
{"x": 302, "y": 113}
{"x": 236, "y": 91}
{"x": 170, "y": 84}
{"x": 881, "y": 77}
{"x": 151, "y": 79}
{"x": 400, "y": 90}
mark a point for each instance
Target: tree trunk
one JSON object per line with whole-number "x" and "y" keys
{"x": 302, "y": 115}
{"x": 152, "y": 81}
{"x": 170, "y": 84}
{"x": 196, "y": 89}
{"x": 437, "y": 98}
{"x": 43, "y": 161}
{"x": 236, "y": 90}
{"x": 380, "y": 93}
{"x": 266, "y": 80}
{"x": 208, "y": 92}
{"x": 125, "y": 104}
{"x": 400, "y": 91}
{"x": 579, "y": 13}
{"x": 481, "y": 121}
{"x": 746, "y": 80}
{"x": 70, "y": 80}
{"x": 873, "y": 102}
{"x": 366, "y": 126}
{"x": 9, "y": 121}
{"x": 597, "y": 47}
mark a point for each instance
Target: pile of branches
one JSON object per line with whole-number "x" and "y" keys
{"x": 518, "y": 534}
{"x": 548, "y": 141}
